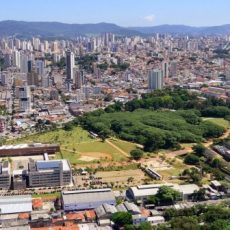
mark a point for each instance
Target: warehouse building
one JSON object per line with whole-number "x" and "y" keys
{"x": 47, "y": 173}
{"x": 5, "y": 175}
{"x": 15, "y": 204}
{"x": 142, "y": 192}
{"x": 105, "y": 211}
{"x": 87, "y": 199}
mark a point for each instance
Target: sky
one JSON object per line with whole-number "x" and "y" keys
{"x": 120, "y": 12}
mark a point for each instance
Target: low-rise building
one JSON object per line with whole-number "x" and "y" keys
{"x": 154, "y": 220}
{"x": 15, "y": 204}
{"x": 142, "y": 192}
{"x": 138, "y": 219}
{"x": 87, "y": 199}
{"x": 105, "y": 211}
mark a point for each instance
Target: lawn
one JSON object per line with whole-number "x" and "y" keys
{"x": 97, "y": 150}
{"x": 218, "y": 121}
{"x": 102, "y": 147}
{"x": 51, "y": 195}
{"x": 78, "y": 147}
{"x": 124, "y": 145}
{"x": 68, "y": 138}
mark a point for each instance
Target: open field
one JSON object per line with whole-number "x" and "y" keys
{"x": 124, "y": 145}
{"x": 91, "y": 151}
{"x": 218, "y": 121}
{"x": 68, "y": 138}
{"x": 78, "y": 147}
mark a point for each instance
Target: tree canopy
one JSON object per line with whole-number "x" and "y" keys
{"x": 162, "y": 119}
{"x": 137, "y": 154}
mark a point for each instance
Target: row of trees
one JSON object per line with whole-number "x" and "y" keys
{"x": 212, "y": 217}
{"x": 207, "y": 162}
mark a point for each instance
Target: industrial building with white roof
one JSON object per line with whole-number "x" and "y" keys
{"x": 87, "y": 199}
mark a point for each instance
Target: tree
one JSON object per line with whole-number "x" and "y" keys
{"x": 137, "y": 154}
{"x": 122, "y": 218}
{"x": 145, "y": 226}
{"x": 216, "y": 111}
{"x": 152, "y": 200}
{"x": 167, "y": 195}
{"x": 199, "y": 149}
{"x": 68, "y": 127}
{"x": 2, "y": 141}
{"x": 185, "y": 223}
{"x": 193, "y": 174}
{"x": 211, "y": 130}
{"x": 199, "y": 195}
{"x": 216, "y": 163}
{"x": 191, "y": 159}
{"x": 116, "y": 126}
{"x": 219, "y": 224}
{"x": 130, "y": 227}
{"x": 214, "y": 213}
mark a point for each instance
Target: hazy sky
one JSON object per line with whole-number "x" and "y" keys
{"x": 121, "y": 12}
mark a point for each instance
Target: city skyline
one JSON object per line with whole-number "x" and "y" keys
{"x": 123, "y": 13}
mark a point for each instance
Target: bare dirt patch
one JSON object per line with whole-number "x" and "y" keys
{"x": 88, "y": 159}
{"x": 157, "y": 164}
{"x": 96, "y": 155}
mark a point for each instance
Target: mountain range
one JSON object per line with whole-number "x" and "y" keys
{"x": 64, "y": 30}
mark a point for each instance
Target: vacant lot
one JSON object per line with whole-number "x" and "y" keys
{"x": 123, "y": 178}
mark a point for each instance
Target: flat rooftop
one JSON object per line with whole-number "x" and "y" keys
{"x": 52, "y": 164}
{"x": 152, "y": 189}
{"x": 22, "y": 146}
{"x": 15, "y": 204}
{"x": 92, "y": 195}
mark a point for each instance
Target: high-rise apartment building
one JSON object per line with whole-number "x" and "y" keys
{"x": 155, "y": 79}
{"x": 16, "y": 59}
{"x": 70, "y": 62}
{"x": 165, "y": 68}
{"x": 24, "y": 95}
{"x": 78, "y": 78}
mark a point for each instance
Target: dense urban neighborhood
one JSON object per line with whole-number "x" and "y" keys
{"x": 111, "y": 131}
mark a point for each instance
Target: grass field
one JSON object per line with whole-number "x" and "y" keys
{"x": 65, "y": 138}
{"x": 101, "y": 147}
{"x": 77, "y": 146}
{"x": 124, "y": 145}
{"x": 218, "y": 121}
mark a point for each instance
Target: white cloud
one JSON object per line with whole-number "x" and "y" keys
{"x": 150, "y": 18}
